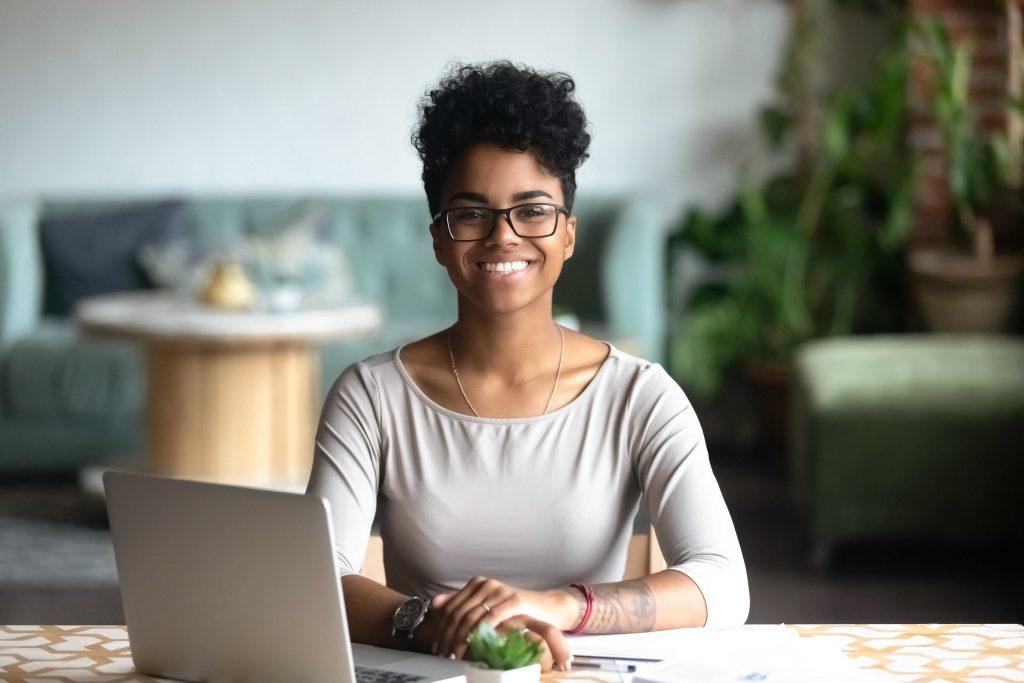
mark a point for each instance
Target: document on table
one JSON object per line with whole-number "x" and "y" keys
{"x": 773, "y": 654}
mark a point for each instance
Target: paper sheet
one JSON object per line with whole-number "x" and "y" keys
{"x": 773, "y": 654}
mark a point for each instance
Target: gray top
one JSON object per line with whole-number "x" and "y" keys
{"x": 536, "y": 502}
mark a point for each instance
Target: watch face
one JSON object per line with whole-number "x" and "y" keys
{"x": 409, "y": 614}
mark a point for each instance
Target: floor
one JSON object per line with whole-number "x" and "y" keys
{"x": 56, "y": 564}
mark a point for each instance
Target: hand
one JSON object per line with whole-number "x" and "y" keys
{"x": 484, "y": 600}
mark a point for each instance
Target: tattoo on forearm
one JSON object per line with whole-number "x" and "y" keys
{"x": 623, "y": 607}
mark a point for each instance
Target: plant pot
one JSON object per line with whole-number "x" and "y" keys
{"x": 478, "y": 673}
{"x": 961, "y": 293}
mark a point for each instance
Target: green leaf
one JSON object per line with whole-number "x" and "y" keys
{"x": 509, "y": 651}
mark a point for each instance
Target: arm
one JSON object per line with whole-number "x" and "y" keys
{"x": 346, "y": 472}
{"x": 667, "y": 599}
{"x": 706, "y": 581}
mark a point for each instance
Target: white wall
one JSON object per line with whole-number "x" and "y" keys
{"x": 141, "y": 96}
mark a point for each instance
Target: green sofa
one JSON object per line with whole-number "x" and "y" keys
{"x": 66, "y": 400}
{"x": 917, "y": 436}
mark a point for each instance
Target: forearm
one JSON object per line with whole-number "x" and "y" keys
{"x": 667, "y": 599}
{"x": 370, "y": 608}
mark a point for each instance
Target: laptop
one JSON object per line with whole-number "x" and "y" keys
{"x": 230, "y": 583}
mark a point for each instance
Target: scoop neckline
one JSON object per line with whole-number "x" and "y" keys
{"x": 438, "y": 408}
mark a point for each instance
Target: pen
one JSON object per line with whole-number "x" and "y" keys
{"x": 603, "y": 665}
{"x": 642, "y": 660}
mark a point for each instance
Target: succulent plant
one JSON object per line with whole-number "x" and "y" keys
{"x": 511, "y": 650}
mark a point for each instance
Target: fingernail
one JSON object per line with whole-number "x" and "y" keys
{"x": 451, "y": 655}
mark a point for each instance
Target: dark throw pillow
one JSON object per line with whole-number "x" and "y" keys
{"x": 85, "y": 255}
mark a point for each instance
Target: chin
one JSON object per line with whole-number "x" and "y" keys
{"x": 506, "y": 303}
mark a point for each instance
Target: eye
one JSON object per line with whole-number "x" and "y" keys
{"x": 468, "y": 214}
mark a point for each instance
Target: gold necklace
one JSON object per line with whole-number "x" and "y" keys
{"x": 558, "y": 373}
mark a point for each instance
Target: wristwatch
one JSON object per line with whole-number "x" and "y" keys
{"x": 408, "y": 616}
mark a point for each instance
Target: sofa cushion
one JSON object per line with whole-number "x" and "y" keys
{"x": 20, "y": 269}
{"x": 54, "y": 372}
{"x": 913, "y": 373}
{"x": 96, "y": 253}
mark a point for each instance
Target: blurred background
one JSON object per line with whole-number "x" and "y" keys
{"x": 809, "y": 211}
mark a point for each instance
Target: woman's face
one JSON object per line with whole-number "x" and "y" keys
{"x": 487, "y": 175}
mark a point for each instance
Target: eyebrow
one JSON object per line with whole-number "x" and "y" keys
{"x": 517, "y": 197}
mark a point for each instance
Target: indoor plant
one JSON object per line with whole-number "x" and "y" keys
{"x": 506, "y": 658}
{"x": 814, "y": 250}
{"x": 803, "y": 253}
{"x": 968, "y": 286}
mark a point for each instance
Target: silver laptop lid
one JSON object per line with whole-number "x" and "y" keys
{"x": 213, "y": 586}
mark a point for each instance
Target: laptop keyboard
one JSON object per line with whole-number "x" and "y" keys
{"x": 365, "y": 674}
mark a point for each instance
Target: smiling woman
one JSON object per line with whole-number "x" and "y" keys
{"x": 505, "y": 457}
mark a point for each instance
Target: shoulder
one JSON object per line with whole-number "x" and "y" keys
{"x": 641, "y": 377}
{"x": 365, "y": 377}
{"x": 649, "y": 397}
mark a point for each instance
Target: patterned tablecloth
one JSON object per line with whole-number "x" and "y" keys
{"x": 908, "y": 652}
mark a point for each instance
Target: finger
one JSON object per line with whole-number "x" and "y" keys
{"x": 440, "y": 599}
{"x": 480, "y": 615}
{"x": 472, "y": 612}
{"x": 504, "y": 606}
{"x": 446, "y": 605}
{"x": 455, "y": 612}
{"x": 519, "y": 624}
{"x": 510, "y": 605}
{"x": 555, "y": 640}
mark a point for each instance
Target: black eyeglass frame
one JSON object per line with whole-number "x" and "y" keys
{"x": 507, "y": 213}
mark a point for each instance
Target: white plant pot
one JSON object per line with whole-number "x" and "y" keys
{"x": 477, "y": 673}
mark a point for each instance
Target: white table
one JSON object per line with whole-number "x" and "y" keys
{"x": 923, "y": 653}
{"x": 230, "y": 395}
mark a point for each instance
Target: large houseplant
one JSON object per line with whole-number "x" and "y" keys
{"x": 968, "y": 286}
{"x": 815, "y": 250}
{"x": 804, "y": 250}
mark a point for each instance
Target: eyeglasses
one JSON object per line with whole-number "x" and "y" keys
{"x": 471, "y": 223}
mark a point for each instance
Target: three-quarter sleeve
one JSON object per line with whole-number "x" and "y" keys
{"x": 346, "y": 462}
{"x": 693, "y": 524}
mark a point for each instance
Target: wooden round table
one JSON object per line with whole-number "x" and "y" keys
{"x": 230, "y": 396}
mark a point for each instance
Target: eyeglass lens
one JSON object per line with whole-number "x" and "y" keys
{"x": 529, "y": 220}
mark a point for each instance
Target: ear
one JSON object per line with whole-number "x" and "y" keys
{"x": 570, "y": 236}
{"x": 435, "y": 238}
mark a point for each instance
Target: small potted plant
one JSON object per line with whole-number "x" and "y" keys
{"x": 508, "y": 658}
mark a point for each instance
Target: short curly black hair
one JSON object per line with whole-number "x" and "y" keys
{"x": 513, "y": 106}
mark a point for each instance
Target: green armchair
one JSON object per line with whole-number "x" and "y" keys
{"x": 910, "y": 437}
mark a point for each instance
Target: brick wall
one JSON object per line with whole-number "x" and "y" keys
{"x": 987, "y": 24}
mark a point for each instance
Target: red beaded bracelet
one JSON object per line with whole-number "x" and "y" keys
{"x": 588, "y": 595}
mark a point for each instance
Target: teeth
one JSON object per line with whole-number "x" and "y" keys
{"x": 504, "y": 267}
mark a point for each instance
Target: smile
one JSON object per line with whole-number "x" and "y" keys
{"x": 504, "y": 271}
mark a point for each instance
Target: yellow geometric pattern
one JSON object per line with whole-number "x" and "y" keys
{"x": 909, "y": 652}
{"x": 931, "y": 652}
{"x": 66, "y": 653}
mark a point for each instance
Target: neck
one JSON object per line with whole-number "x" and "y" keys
{"x": 515, "y": 346}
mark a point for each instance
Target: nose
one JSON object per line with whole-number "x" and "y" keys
{"x": 502, "y": 232}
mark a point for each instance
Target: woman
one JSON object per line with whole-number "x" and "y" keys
{"x": 505, "y": 456}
